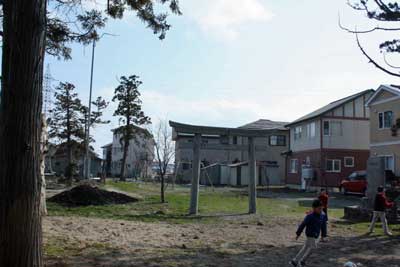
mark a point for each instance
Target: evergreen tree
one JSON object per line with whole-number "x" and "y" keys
{"x": 66, "y": 123}
{"x": 130, "y": 112}
{"x": 387, "y": 13}
{"x": 28, "y": 30}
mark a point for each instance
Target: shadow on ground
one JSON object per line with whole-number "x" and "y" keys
{"x": 370, "y": 251}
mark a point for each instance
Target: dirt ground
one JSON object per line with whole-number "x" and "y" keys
{"x": 234, "y": 241}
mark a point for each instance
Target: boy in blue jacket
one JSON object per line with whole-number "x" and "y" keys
{"x": 314, "y": 223}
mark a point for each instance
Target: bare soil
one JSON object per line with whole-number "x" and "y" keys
{"x": 241, "y": 240}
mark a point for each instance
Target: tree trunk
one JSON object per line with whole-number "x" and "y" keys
{"x": 23, "y": 41}
{"x": 126, "y": 146}
{"x": 69, "y": 170}
{"x": 162, "y": 188}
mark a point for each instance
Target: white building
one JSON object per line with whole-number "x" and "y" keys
{"x": 139, "y": 158}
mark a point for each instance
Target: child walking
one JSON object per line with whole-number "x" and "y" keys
{"x": 380, "y": 205}
{"x": 324, "y": 198}
{"x": 314, "y": 223}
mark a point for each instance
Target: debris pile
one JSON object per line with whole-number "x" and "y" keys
{"x": 86, "y": 195}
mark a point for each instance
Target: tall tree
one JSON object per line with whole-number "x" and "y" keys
{"x": 28, "y": 30}
{"x": 164, "y": 151}
{"x": 23, "y": 43}
{"x": 66, "y": 123}
{"x": 387, "y": 13}
{"x": 130, "y": 112}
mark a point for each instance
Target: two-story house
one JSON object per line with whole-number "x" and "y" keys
{"x": 227, "y": 151}
{"x": 330, "y": 143}
{"x": 384, "y": 107}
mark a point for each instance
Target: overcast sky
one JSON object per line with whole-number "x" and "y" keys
{"x": 230, "y": 62}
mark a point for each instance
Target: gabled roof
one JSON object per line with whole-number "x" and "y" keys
{"x": 394, "y": 89}
{"x": 263, "y": 124}
{"x": 329, "y": 107}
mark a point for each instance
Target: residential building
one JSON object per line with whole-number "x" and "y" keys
{"x": 330, "y": 143}
{"x": 139, "y": 158}
{"x": 223, "y": 155}
{"x": 56, "y": 161}
{"x": 385, "y": 126}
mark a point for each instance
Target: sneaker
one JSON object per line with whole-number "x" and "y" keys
{"x": 389, "y": 234}
{"x": 293, "y": 263}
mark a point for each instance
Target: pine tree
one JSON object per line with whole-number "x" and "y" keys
{"x": 130, "y": 112}
{"x": 66, "y": 123}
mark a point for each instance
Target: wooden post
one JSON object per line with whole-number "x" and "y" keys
{"x": 252, "y": 177}
{"x": 194, "y": 194}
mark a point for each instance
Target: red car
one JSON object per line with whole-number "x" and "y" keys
{"x": 355, "y": 183}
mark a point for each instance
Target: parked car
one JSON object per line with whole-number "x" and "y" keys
{"x": 355, "y": 183}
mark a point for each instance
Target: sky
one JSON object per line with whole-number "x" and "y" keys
{"x": 230, "y": 62}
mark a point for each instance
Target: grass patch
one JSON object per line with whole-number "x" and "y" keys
{"x": 212, "y": 204}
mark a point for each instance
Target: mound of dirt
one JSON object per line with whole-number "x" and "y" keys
{"x": 86, "y": 195}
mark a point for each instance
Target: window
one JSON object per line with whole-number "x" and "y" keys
{"x": 327, "y": 128}
{"x": 349, "y": 161}
{"x": 333, "y": 128}
{"x": 277, "y": 140}
{"x": 385, "y": 119}
{"x": 297, "y": 132}
{"x": 311, "y": 130}
{"x": 333, "y": 165}
{"x": 389, "y": 163}
{"x": 235, "y": 140}
{"x": 294, "y": 165}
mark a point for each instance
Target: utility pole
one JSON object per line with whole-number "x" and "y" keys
{"x": 86, "y": 172}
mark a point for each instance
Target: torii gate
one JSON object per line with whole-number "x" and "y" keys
{"x": 198, "y": 131}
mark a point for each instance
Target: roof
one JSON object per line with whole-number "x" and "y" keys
{"x": 108, "y": 145}
{"x": 263, "y": 124}
{"x": 211, "y": 130}
{"x": 331, "y": 106}
{"x": 394, "y": 89}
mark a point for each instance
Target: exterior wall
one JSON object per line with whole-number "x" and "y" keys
{"x": 384, "y": 135}
{"x": 184, "y": 154}
{"x": 139, "y": 159}
{"x": 383, "y": 143}
{"x": 318, "y": 159}
{"x": 391, "y": 150}
{"x": 354, "y": 135}
{"x": 305, "y": 142}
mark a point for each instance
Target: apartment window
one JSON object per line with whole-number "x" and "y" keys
{"x": 297, "y": 132}
{"x": 294, "y": 165}
{"x": 349, "y": 161}
{"x": 311, "y": 130}
{"x": 385, "y": 119}
{"x": 333, "y": 165}
{"x": 224, "y": 140}
{"x": 277, "y": 140}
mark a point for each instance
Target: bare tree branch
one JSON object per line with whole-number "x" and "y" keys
{"x": 373, "y": 61}
{"x": 377, "y": 28}
{"x": 388, "y": 63}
